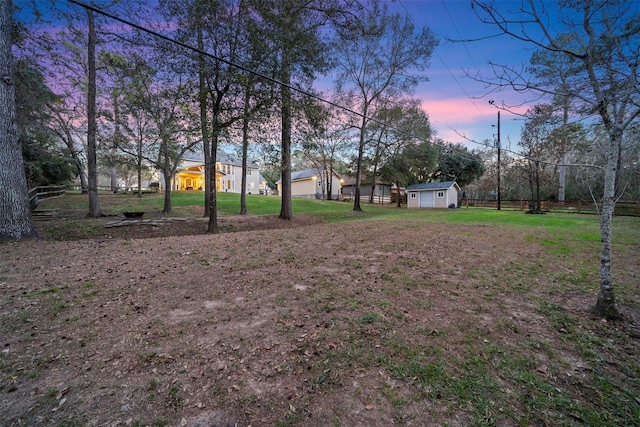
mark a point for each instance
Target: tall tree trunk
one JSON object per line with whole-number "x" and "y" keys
{"x": 139, "y": 169}
{"x": 92, "y": 167}
{"x": 356, "y": 199}
{"x": 15, "y": 219}
{"x": 116, "y": 141}
{"x": 563, "y": 147}
{"x": 68, "y": 140}
{"x": 605, "y": 305}
{"x": 245, "y": 146}
{"x": 212, "y": 226}
{"x": 562, "y": 178}
{"x": 204, "y": 127}
{"x": 373, "y": 183}
{"x": 286, "y": 211}
{"x": 376, "y": 159}
{"x": 538, "y": 199}
{"x": 166, "y": 170}
{"x": 532, "y": 202}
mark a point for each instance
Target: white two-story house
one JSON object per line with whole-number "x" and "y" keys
{"x": 190, "y": 174}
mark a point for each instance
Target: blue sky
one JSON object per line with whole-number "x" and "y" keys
{"x": 448, "y": 96}
{"x": 455, "y": 102}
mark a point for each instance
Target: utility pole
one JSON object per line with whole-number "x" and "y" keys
{"x": 498, "y": 143}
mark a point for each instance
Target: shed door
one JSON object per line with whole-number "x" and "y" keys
{"x": 426, "y": 199}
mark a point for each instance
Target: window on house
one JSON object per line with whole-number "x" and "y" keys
{"x": 440, "y": 194}
{"x": 413, "y": 195}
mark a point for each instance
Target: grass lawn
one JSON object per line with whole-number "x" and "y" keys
{"x": 449, "y": 317}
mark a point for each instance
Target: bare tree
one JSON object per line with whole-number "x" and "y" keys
{"x": 536, "y": 140}
{"x": 71, "y": 53}
{"x": 133, "y": 126}
{"x": 325, "y": 138}
{"x": 377, "y": 61}
{"x": 62, "y": 125}
{"x": 221, "y": 29}
{"x": 94, "y": 202}
{"x": 598, "y": 46}
{"x": 296, "y": 31}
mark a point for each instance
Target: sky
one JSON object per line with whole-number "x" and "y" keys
{"x": 456, "y": 104}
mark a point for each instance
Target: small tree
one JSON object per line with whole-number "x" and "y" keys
{"x": 400, "y": 132}
{"x": 596, "y": 49}
{"x": 377, "y": 61}
{"x": 324, "y": 141}
{"x": 536, "y": 140}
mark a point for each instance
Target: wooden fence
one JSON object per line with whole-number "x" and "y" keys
{"x": 623, "y": 208}
{"x": 38, "y": 193}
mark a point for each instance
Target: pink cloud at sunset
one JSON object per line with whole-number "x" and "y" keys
{"x": 457, "y": 118}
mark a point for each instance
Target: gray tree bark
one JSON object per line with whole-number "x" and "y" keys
{"x": 286, "y": 211}
{"x": 202, "y": 101}
{"x": 605, "y": 72}
{"x": 245, "y": 146}
{"x": 605, "y": 305}
{"x": 92, "y": 166}
{"x": 212, "y": 226}
{"x": 15, "y": 217}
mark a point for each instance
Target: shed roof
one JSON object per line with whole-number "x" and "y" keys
{"x": 432, "y": 186}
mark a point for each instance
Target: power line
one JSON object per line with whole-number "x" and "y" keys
{"x": 468, "y": 54}
{"x": 455, "y": 79}
{"x": 256, "y": 73}
{"x": 241, "y": 67}
{"x": 453, "y": 22}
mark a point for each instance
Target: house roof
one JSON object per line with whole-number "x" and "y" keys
{"x": 305, "y": 174}
{"x": 432, "y": 186}
{"x": 364, "y": 180}
{"x": 221, "y": 157}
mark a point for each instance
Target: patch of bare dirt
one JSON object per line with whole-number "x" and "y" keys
{"x": 286, "y": 323}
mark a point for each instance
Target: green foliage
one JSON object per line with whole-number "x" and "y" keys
{"x": 458, "y": 164}
{"x": 45, "y": 162}
{"x": 420, "y": 160}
